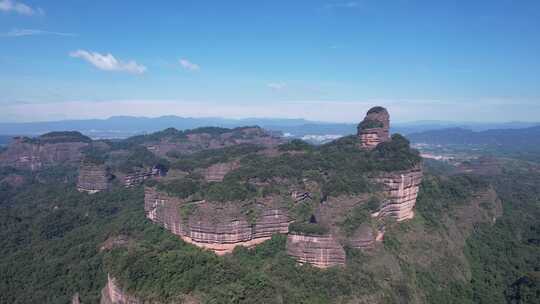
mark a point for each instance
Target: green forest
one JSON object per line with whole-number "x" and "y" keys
{"x": 51, "y": 237}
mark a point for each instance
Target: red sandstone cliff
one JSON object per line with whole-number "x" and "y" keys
{"x": 33, "y": 155}
{"x": 216, "y": 226}
{"x": 401, "y": 189}
{"x": 92, "y": 178}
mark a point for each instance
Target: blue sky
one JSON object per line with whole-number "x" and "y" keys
{"x": 324, "y": 60}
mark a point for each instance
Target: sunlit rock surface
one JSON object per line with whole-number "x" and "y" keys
{"x": 216, "y": 226}
{"x": 401, "y": 189}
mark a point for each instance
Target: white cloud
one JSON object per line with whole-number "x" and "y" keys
{"x": 19, "y": 7}
{"x": 33, "y": 32}
{"x": 188, "y": 65}
{"x": 108, "y": 62}
{"x": 277, "y": 86}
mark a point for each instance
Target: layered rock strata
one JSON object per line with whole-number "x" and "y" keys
{"x": 217, "y": 228}
{"x": 27, "y": 154}
{"x": 401, "y": 189}
{"x": 374, "y": 129}
{"x": 320, "y": 251}
{"x": 93, "y": 178}
{"x": 136, "y": 178}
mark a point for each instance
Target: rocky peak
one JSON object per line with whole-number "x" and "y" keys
{"x": 374, "y": 129}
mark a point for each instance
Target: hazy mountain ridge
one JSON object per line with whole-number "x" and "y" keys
{"x": 125, "y": 126}
{"x": 499, "y": 137}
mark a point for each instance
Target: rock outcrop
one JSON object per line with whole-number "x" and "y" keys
{"x": 401, "y": 189}
{"x": 138, "y": 177}
{"x": 374, "y": 129}
{"x": 93, "y": 177}
{"x": 113, "y": 294}
{"x": 219, "y": 228}
{"x": 320, "y": 251}
{"x": 216, "y": 172}
{"x": 49, "y": 149}
{"x": 75, "y": 299}
{"x": 116, "y": 241}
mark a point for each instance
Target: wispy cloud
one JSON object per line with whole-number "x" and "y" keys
{"x": 188, "y": 65}
{"x": 108, "y": 62}
{"x": 34, "y": 32}
{"x": 276, "y": 86}
{"x": 347, "y": 4}
{"x": 19, "y": 7}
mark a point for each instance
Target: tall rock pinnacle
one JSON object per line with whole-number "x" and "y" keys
{"x": 374, "y": 128}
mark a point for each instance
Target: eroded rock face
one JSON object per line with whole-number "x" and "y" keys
{"x": 216, "y": 172}
{"x": 92, "y": 178}
{"x": 25, "y": 154}
{"x": 401, "y": 188}
{"x": 136, "y": 178}
{"x": 113, "y": 294}
{"x": 363, "y": 238}
{"x": 319, "y": 251}
{"x": 216, "y": 226}
{"x": 374, "y": 129}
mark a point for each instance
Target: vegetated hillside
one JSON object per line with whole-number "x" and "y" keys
{"x": 55, "y": 241}
{"x": 526, "y": 137}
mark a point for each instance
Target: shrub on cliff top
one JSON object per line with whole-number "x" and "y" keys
{"x": 307, "y": 228}
{"x": 371, "y": 124}
{"x": 295, "y": 145}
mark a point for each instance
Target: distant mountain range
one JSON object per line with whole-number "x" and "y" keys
{"x": 125, "y": 126}
{"x": 503, "y": 138}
